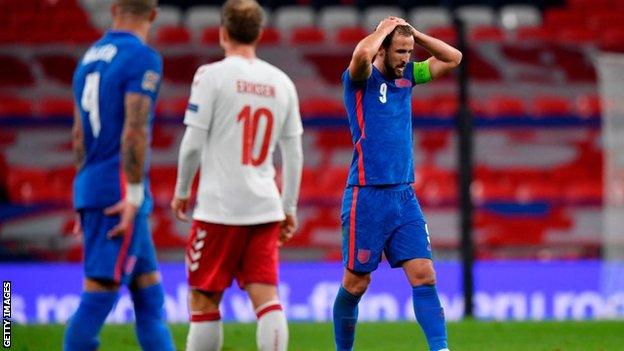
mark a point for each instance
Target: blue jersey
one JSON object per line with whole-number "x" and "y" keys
{"x": 117, "y": 64}
{"x": 380, "y": 119}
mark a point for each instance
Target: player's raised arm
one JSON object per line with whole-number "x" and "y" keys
{"x": 78, "y": 146}
{"x": 360, "y": 67}
{"x": 444, "y": 57}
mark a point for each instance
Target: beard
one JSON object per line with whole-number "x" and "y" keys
{"x": 394, "y": 72}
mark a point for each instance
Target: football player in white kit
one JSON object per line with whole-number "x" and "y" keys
{"x": 239, "y": 109}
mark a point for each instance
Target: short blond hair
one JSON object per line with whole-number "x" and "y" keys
{"x": 137, "y": 7}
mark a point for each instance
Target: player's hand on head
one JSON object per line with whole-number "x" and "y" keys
{"x": 287, "y": 229}
{"x": 178, "y": 207}
{"x": 389, "y": 23}
{"x": 127, "y": 212}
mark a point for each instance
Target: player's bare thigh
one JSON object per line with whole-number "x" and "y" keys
{"x": 419, "y": 271}
{"x": 354, "y": 282}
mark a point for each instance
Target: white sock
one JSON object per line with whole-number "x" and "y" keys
{"x": 272, "y": 330}
{"x": 205, "y": 332}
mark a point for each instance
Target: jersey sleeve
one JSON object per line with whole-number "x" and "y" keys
{"x": 292, "y": 125}
{"x": 200, "y": 106}
{"x": 421, "y": 73}
{"x": 146, "y": 73}
{"x": 350, "y": 83}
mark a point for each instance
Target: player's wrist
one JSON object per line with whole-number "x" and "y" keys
{"x": 135, "y": 194}
{"x": 181, "y": 193}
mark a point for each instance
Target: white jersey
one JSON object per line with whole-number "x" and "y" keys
{"x": 246, "y": 106}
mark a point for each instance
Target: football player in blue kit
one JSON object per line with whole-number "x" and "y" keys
{"x": 380, "y": 212}
{"x": 115, "y": 88}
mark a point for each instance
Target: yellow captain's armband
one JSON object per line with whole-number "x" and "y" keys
{"x": 421, "y": 72}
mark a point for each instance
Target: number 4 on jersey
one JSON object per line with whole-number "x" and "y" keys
{"x": 250, "y": 129}
{"x": 90, "y": 101}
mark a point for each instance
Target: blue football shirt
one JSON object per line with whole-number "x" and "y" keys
{"x": 117, "y": 64}
{"x": 380, "y": 119}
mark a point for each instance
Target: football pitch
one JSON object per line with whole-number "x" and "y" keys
{"x": 464, "y": 336}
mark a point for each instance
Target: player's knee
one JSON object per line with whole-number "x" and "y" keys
{"x": 357, "y": 285}
{"x": 100, "y": 285}
{"x": 424, "y": 276}
{"x": 203, "y": 301}
{"x": 145, "y": 280}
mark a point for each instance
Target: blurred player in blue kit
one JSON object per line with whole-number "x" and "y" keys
{"x": 115, "y": 88}
{"x": 380, "y": 212}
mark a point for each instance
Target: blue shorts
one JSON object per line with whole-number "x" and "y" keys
{"x": 119, "y": 259}
{"x": 378, "y": 219}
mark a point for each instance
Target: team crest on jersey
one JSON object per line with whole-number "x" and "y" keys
{"x": 363, "y": 255}
{"x": 402, "y": 83}
{"x": 150, "y": 81}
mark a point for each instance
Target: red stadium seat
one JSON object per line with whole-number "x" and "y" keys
{"x": 551, "y": 106}
{"x": 538, "y": 34}
{"x": 307, "y": 36}
{"x": 172, "y": 107}
{"x": 444, "y": 105}
{"x": 588, "y": 105}
{"x": 58, "y": 67}
{"x": 270, "y": 36}
{"x": 326, "y": 107}
{"x": 603, "y": 21}
{"x": 421, "y": 107}
{"x": 210, "y": 35}
{"x": 446, "y": 33}
{"x": 180, "y": 68}
{"x": 15, "y": 73}
{"x": 350, "y": 35}
{"x": 503, "y": 105}
{"x": 558, "y": 18}
{"x": 55, "y": 107}
{"x": 590, "y": 5}
{"x": 28, "y": 186}
{"x": 612, "y": 40}
{"x": 487, "y": 34}
{"x": 576, "y": 36}
{"x": 10, "y": 106}
{"x": 173, "y": 35}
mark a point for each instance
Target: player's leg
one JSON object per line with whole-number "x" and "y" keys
{"x": 409, "y": 247}
{"x": 100, "y": 290}
{"x": 427, "y": 308}
{"x": 213, "y": 256}
{"x": 147, "y": 291}
{"x": 258, "y": 276}
{"x": 362, "y": 243}
{"x": 345, "y": 310}
{"x": 272, "y": 329}
{"x": 206, "y": 328}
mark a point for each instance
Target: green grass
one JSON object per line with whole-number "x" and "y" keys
{"x": 464, "y": 336}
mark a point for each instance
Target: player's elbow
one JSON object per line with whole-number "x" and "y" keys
{"x": 456, "y": 58}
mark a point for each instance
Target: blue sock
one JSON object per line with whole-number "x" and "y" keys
{"x": 84, "y": 326}
{"x": 430, "y": 315}
{"x": 345, "y": 319}
{"x": 151, "y": 329}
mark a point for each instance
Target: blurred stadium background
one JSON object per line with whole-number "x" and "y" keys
{"x": 540, "y": 188}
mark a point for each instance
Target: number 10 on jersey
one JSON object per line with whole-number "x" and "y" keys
{"x": 251, "y": 120}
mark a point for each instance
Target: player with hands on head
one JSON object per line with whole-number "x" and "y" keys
{"x": 239, "y": 110}
{"x": 380, "y": 212}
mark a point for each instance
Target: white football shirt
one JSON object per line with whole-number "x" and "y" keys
{"x": 246, "y": 105}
